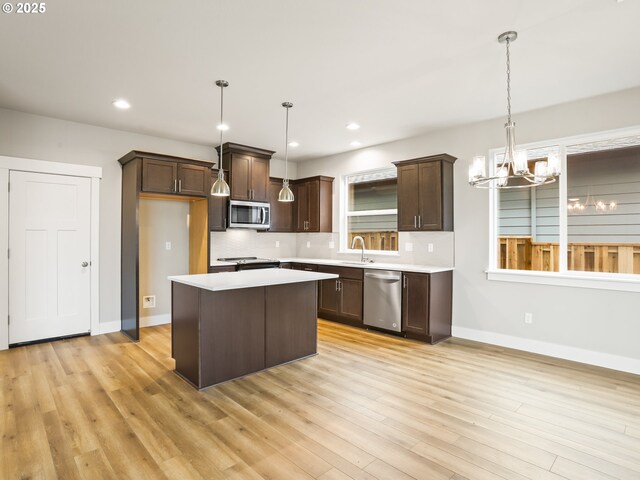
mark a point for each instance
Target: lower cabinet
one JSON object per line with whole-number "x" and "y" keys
{"x": 341, "y": 299}
{"x": 426, "y": 306}
{"x": 222, "y": 268}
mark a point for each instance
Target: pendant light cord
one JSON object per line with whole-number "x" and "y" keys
{"x": 221, "y": 124}
{"x": 286, "y": 145}
{"x": 508, "y": 42}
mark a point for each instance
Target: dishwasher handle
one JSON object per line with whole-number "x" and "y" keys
{"x": 388, "y": 278}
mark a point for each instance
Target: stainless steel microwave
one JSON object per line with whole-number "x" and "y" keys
{"x": 254, "y": 215}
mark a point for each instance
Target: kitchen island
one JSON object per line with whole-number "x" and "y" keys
{"x": 227, "y": 325}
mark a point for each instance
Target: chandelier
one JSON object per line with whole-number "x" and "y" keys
{"x": 590, "y": 206}
{"x": 513, "y": 171}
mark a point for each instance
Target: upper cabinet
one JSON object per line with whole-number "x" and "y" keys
{"x": 281, "y": 212}
{"x": 313, "y": 205}
{"x": 425, "y": 193}
{"x": 175, "y": 177}
{"x": 248, "y": 169}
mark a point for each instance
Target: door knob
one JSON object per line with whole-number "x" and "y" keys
{"x": 85, "y": 264}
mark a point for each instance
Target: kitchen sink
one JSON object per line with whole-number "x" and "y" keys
{"x": 357, "y": 263}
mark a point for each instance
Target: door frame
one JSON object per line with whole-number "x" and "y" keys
{"x": 8, "y": 164}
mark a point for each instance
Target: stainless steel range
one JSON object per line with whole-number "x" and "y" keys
{"x": 251, "y": 263}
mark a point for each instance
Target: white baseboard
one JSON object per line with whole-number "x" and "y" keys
{"x": 154, "y": 320}
{"x": 108, "y": 327}
{"x": 599, "y": 359}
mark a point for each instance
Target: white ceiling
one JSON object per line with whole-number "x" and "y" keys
{"x": 399, "y": 68}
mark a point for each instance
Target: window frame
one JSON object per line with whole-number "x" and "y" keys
{"x": 564, "y": 277}
{"x": 345, "y": 214}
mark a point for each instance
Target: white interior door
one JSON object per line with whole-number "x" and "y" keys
{"x": 49, "y": 255}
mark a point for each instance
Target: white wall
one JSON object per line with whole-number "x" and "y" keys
{"x": 593, "y": 320}
{"x": 161, "y": 221}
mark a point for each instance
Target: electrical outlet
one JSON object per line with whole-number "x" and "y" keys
{"x": 149, "y": 301}
{"x": 167, "y": 246}
{"x": 528, "y": 318}
{"x": 277, "y": 243}
{"x": 308, "y": 244}
{"x": 332, "y": 244}
{"x": 430, "y": 248}
{"x": 408, "y": 247}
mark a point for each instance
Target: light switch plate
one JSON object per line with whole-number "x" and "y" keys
{"x": 430, "y": 248}
{"x": 167, "y": 245}
{"x": 308, "y": 244}
{"x": 277, "y": 243}
{"x": 408, "y": 247}
{"x": 332, "y": 244}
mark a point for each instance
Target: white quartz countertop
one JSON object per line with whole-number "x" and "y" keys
{"x": 400, "y": 267}
{"x": 249, "y": 278}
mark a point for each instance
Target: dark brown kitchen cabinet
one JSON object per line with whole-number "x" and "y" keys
{"x": 218, "y": 207}
{"x": 222, "y": 268}
{"x": 308, "y": 267}
{"x": 167, "y": 177}
{"x": 341, "y": 299}
{"x": 425, "y": 193}
{"x": 152, "y": 176}
{"x": 248, "y": 169}
{"x": 281, "y": 212}
{"x": 426, "y": 305}
{"x": 313, "y": 205}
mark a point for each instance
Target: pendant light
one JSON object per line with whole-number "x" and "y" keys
{"x": 220, "y": 188}
{"x": 286, "y": 195}
{"x": 513, "y": 172}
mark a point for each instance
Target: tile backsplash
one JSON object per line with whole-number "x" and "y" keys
{"x": 414, "y": 246}
{"x": 238, "y": 242}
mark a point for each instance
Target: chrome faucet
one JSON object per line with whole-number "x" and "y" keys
{"x": 353, "y": 245}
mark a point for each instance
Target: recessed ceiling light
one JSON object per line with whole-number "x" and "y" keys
{"x": 121, "y": 103}
{"x": 353, "y": 126}
{"x": 355, "y": 143}
{"x": 223, "y": 126}
{"x": 294, "y": 144}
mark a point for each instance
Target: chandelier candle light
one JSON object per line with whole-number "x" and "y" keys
{"x": 220, "y": 188}
{"x": 513, "y": 172}
{"x": 286, "y": 195}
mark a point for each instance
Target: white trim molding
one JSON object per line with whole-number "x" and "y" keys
{"x": 589, "y": 357}
{"x": 108, "y": 327}
{"x": 602, "y": 281}
{"x": 153, "y": 320}
{"x": 56, "y": 168}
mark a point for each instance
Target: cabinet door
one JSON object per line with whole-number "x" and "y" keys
{"x": 430, "y": 176}
{"x": 159, "y": 176}
{"x": 217, "y": 210}
{"x": 328, "y": 298}
{"x": 408, "y": 194}
{"x": 301, "y": 206}
{"x": 350, "y": 300}
{"x": 259, "y": 181}
{"x": 193, "y": 179}
{"x": 281, "y": 212}
{"x": 313, "y": 199}
{"x": 240, "y": 176}
{"x": 415, "y": 303}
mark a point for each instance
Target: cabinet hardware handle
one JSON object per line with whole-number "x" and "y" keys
{"x": 419, "y": 221}
{"x": 175, "y": 185}
{"x": 180, "y": 185}
{"x": 339, "y": 285}
{"x": 85, "y": 264}
{"x": 415, "y": 221}
{"x": 404, "y": 281}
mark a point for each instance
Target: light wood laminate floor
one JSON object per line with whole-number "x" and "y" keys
{"x": 370, "y": 406}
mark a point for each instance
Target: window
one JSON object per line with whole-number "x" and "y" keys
{"x": 592, "y": 213}
{"x": 371, "y": 210}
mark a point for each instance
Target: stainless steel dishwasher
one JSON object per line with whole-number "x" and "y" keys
{"x": 383, "y": 299}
